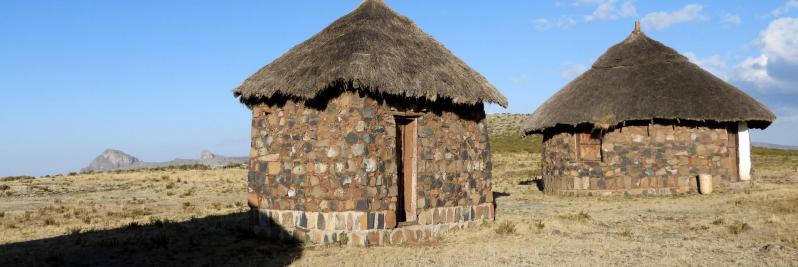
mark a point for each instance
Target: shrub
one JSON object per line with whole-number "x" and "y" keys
{"x": 78, "y": 212}
{"x": 718, "y": 221}
{"x": 539, "y": 224}
{"x": 136, "y": 201}
{"x": 50, "y": 221}
{"x": 739, "y": 227}
{"x": 485, "y": 223}
{"x": 234, "y": 166}
{"x": 159, "y": 222}
{"x": 26, "y": 216}
{"x": 343, "y": 239}
{"x": 505, "y": 228}
{"x": 626, "y": 233}
{"x": 4, "y": 187}
{"x": 188, "y": 193}
{"x": 581, "y": 216}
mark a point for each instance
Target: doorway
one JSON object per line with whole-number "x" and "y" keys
{"x": 406, "y": 133}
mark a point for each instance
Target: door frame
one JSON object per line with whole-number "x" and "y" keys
{"x": 409, "y": 165}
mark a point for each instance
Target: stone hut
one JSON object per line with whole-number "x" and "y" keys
{"x": 645, "y": 120}
{"x": 370, "y": 130}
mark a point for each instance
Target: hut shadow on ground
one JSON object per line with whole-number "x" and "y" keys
{"x": 210, "y": 241}
{"x": 497, "y": 195}
{"x": 538, "y": 183}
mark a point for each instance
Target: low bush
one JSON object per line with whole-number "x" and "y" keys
{"x": 626, "y": 233}
{"x": 581, "y": 216}
{"x": 50, "y": 221}
{"x": 738, "y": 227}
{"x": 539, "y": 224}
{"x": 343, "y": 239}
{"x": 505, "y": 228}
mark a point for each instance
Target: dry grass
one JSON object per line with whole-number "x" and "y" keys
{"x": 47, "y": 207}
{"x": 515, "y": 171}
{"x": 582, "y": 216}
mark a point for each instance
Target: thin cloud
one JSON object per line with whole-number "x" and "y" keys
{"x": 586, "y": 2}
{"x": 662, "y": 20}
{"x": 784, "y": 9}
{"x": 605, "y": 10}
{"x": 521, "y": 80}
{"x": 542, "y": 24}
{"x": 730, "y": 18}
{"x": 610, "y": 10}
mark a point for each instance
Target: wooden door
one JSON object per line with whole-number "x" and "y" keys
{"x": 406, "y": 133}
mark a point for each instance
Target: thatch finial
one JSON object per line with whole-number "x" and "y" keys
{"x": 637, "y": 26}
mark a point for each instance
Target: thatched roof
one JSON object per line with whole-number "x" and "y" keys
{"x": 642, "y": 79}
{"x": 375, "y": 49}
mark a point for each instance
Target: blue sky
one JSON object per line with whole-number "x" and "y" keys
{"x": 153, "y": 78}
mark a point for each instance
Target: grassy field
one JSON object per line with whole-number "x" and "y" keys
{"x": 198, "y": 217}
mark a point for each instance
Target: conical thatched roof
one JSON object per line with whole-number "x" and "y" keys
{"x": 372, "y": 48}
{"x": 642, "y": 79}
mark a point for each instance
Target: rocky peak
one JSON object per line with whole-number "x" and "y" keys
{"x": 112, "y": 159}
{"x": 207, "y": 155}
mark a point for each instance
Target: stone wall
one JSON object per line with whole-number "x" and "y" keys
{"x": 640, "y": 159}
{"x": 454, "y": 167}
{"x": 338, "y": 156}
{"x": 367, "y": 228}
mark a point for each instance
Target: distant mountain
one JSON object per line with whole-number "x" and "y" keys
{"x": 767, "y": 145}
{"x": 210, "y": 159}
{"x": 112, "y": 159}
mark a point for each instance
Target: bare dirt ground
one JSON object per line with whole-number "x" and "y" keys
{"x": 198, "y": 217}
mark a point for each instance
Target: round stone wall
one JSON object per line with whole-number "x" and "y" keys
{"x": 319, "y": 169}
{"x": 639, "y": 159}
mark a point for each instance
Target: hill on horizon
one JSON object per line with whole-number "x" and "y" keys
{"x": 113, "y": 159}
